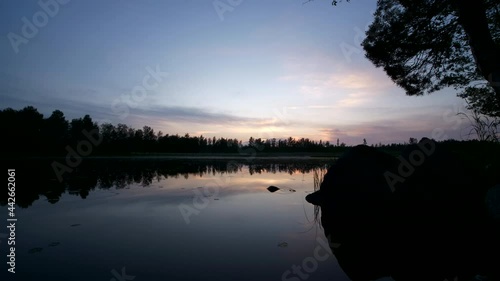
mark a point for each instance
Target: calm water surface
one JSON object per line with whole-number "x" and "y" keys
{"x": 171, "y": 221}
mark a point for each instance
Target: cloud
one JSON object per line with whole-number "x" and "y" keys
{"x": 321, "y": 107}
{"x": 358, "y": 81}
{"x": 389, "y": 130}
{"x": 361, "y": 83}
{"x": 355, "y": 99}
{"x": 322, "y": 77}
{"x": 180, "y": 114}
{"x": 190, "y": 115}
{"x": 18, "y": 92}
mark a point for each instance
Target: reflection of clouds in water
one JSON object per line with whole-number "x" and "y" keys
{"x": 245, "y": 224}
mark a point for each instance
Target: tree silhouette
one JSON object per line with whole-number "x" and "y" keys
{"x": 55, "y": 132}
{"x": 29, "y": 134}
{"x": 425, "y": 46}
{"x": 79, "y": 126}
{"x": 27, "y": 130}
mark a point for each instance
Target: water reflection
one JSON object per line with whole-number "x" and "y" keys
{"x": 37, "y": 178}
{"x": 412, "y": 248}
{"x": 131, "y": 217}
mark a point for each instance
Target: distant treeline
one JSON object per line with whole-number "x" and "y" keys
{"x": 27, "y": 132}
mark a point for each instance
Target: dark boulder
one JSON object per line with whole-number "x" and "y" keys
{"x": 273, "y": 188}
{"x": 419, "y": 216}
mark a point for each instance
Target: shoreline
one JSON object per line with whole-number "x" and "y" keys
{"x": 198, "y": 156}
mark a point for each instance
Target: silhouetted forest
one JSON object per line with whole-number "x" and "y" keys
{"x": 28, "y": 133}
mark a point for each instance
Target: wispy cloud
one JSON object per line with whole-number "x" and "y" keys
{"x": 207, "y": 116}
{"x": 388, "y": 130}
{"x": 360, "y": 84}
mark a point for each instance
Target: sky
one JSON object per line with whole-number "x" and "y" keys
{"x": 224, "y": 68}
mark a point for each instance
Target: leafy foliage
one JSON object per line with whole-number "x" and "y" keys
{"x": 481, "y": 98}
{"x": 423, "y": 48}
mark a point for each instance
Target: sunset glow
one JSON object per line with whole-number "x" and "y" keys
{"x": 269, "y": 69}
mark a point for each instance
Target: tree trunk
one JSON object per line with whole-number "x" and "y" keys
{"x": 472, "y": 17}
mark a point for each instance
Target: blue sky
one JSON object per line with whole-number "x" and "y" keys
{"x": 228, "y": 68}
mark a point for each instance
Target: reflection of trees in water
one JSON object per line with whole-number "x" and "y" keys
{"x": 36, "y": 177}
{"x": 290, "y": 168}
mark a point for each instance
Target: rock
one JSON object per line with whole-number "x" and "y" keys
{"x": 283, "y": 244}
{"x": 356, "y": 177}
{"x": 429, "y": 196}
{"x": 273, "y": 188}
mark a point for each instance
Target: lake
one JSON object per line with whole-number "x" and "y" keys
{"x": 169, "y": 220}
